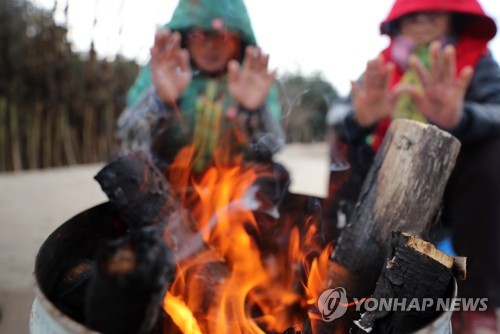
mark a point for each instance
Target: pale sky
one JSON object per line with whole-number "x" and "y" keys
{"x": 336, "y": 38}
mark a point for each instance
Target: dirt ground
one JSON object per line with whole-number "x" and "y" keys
{"x": 33, "y": 204}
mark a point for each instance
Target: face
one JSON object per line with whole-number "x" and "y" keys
{"x": 212, "y": 50}
{"x": 425, "y": 27}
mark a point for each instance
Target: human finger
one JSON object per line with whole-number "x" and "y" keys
{"x": 233, "y": 68}
{"x": 174, "y": 43}
{"x": 183, "y": 60}
{"x": 249, "y": 62}
{"x": 160, "y": 41}
{"x": 435, "y": 61}
{"x": 389, "y": 70}
{"x": 264, "y": 61}
{"x": 161, "y": 37}
{"x": 449, "y": 64}
{"x": 256, "y": 55}
{"x": 354, "y": 88}
{"x": 372, "y": 77}
{"x": 381, "y": 65}
{"x": 465, "y": 77}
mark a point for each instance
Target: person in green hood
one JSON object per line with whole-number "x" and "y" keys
{"x": 207, "y": 86}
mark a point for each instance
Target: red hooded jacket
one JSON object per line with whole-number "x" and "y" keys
{"x": 473, "y": 37}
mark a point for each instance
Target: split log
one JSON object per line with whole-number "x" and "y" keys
{"x": 416, "y": 275}
{"x": 401, "y": 192}
{"x": 132, "y": 275}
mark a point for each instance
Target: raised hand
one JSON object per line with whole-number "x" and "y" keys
{"x": 442, "y": 97}
{"x": 170, "y": 67}
{"x": 373, "y": 100}
{"x": 250, "y": 84}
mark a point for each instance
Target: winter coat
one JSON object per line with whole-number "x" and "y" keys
{"x": 481, "y": 116}
{"x": 470, "y": 201}
{"x": 149, "y": 124}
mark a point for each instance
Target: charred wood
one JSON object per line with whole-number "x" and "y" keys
{"x": 401, "y": 192}
{"x": 132, "y": 275}
{"x": 137, "y": 190}
{"x": 70, "y": 292}
{"x": 415, "y": 271}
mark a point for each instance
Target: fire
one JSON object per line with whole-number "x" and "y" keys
{"x": 182, "y": 316}
{"x": 234, "y": 285}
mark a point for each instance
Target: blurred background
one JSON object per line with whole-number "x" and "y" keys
{"x": 65, "y": 67}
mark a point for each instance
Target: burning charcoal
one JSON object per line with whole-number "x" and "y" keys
{"x": 137, "y": 189}
{"x": 132, "y": 275}
{"x": 70, "y": 292}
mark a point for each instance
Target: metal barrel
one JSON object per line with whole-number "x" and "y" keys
{"x": 79, "y": 237}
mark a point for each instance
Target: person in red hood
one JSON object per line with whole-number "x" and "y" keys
{"x": 438, "y": 69}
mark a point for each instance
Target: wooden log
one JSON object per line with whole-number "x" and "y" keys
{"x": 137, "y": 190}
{"x": 416, "y": 275}
{"x": 401, "y": 192}
{"x": 131, "y": 278}
{"x": 142, "y": 197}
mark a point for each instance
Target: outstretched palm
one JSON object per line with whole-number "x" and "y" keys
{"x": 442, "y": 98}
{"x": 373, "y": 100}
{"x": 250, "y": 85}
{"x": 169, "y": 66}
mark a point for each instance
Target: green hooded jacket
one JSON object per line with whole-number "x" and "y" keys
{"x": 200, "y": 13}
{"x": 206, "y": 99}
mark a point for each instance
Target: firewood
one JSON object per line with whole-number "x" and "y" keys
{"x": 460, "y": 267}
{"x": 401, "y": 192}
{"x": 137, "y": 190}
{"x": 132, "y": 275}
{"x": 415, "y": 270}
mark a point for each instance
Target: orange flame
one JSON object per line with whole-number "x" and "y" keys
{"x": 242, "y": 288}
{"x": 182, "y": 316}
